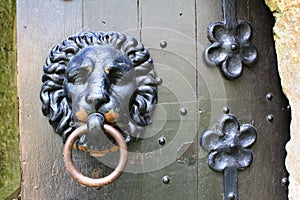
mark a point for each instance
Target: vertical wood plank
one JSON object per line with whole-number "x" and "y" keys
{"x": 115, "y": 15}
{"x": 263, "y": 78}
{"x": 174, "y": 23}
{"x": 246, "y": 98}
{"x": 40, "y": 26}
{"x": 212, "y": 96}
{"x": 209, "y": 182}
{"x": 121, "y": 16}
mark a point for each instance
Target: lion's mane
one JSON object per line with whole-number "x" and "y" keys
{"x": 53, "y": 95}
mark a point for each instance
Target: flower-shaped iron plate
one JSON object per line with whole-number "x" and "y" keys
{"x": 231, "y": 46}
{"x": 231, "y": 49}
{"x": 228, "y": 144}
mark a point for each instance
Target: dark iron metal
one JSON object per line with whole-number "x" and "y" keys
{"x": 183, "y": 111}
{"x": 159, "y": 81}
{"x": 270, "y": 118}
{"x": 228, "y": 145}
{"x": 166, "y": 179}
{"x": 231, "y": 47}
{"x": 162, "y": 140}
{"x": 285, "y": 182}
{"x": 99, "y": 73}
{"x": 269, "y": 96}
{"x": 226, "y": 110}
{"x": 163, "y": 44}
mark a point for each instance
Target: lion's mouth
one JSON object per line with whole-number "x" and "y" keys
{"x": 93, "y": 140}
{"x": 111, "y": 117}
{"x": 97, "y": 120}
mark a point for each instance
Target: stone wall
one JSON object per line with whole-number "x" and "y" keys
{"x": 287, "y": 39}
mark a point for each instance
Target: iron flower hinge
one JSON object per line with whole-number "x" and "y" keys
{"x": 228, "y": 146}
{"x": 231, "y": 46}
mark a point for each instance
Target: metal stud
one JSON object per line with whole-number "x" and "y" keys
{"x": 163, "y": 44}
{"x": 232, "y": 146}
{"x": 226, "y": 110}
{"x": 231, "y": 196}
{"x": 159, "y": 81}
{"x": 270, "y": 118}
{"x": 183, "y": 111}
{"x": 162, "y": 140}
{"x": 269, "y": 96}
{"x": 166, "y": 179}
{"x": 234, "y": 47}
{"x": 285, "y": 182}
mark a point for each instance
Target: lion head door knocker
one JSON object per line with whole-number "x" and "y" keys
{"x": 98, "y": 82}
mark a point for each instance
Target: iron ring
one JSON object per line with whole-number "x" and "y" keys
{"x": 98, "y": 182}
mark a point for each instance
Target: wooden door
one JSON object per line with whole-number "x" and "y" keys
{"x": 191, "y": 99}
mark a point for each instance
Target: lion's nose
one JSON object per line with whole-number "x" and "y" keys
{"x": 97, "y": 99}
{"x": 97, "y": 96}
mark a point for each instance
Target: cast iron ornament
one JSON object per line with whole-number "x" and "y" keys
{"x": 228, "y": 146}
{"x": 94, "y": 83}
{"x": 231, "y": 47}
{"x": 98, "y": 78}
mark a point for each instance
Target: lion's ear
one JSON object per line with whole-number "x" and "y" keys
{"x": 142, "y": 105}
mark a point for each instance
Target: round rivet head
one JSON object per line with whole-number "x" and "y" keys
{"x": 234, "y": 47}
{"x": 269, "y": 96}
{"x": 231, "y": 196}
{"x": 159, "y": 81}
{"x": 166, "y": 179}
{"x": 162, "y": 140}
{"x": 226, "y": 110}
{"x": 183, "y": 111}
{"x": 163, "y": 44}
{"x": 270, "y": 118}
{"x": 232, "y": 146}
{"x": 285, "y": 182}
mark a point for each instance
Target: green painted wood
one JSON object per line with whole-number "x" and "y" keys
{"x": 211, "y": 103}
{"x": 100, "y": 15}
{"x": 173, "y": 23}
{"x": 40, "y": 26}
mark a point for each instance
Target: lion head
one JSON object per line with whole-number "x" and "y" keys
{"x": 99, "y": 72}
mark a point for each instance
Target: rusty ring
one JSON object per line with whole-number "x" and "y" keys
{"x": 78, "y": 176}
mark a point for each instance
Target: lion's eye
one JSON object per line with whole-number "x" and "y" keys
{"x": 119, "y": 73}
{"x": 80, "y": 76}
{"x": 115, "y": 75}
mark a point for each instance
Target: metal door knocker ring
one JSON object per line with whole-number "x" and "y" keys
{"x": 78, "y": 176}
{"x": 105, "y": 80}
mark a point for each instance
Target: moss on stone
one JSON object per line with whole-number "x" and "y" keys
{"x": 9, "y": 145}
